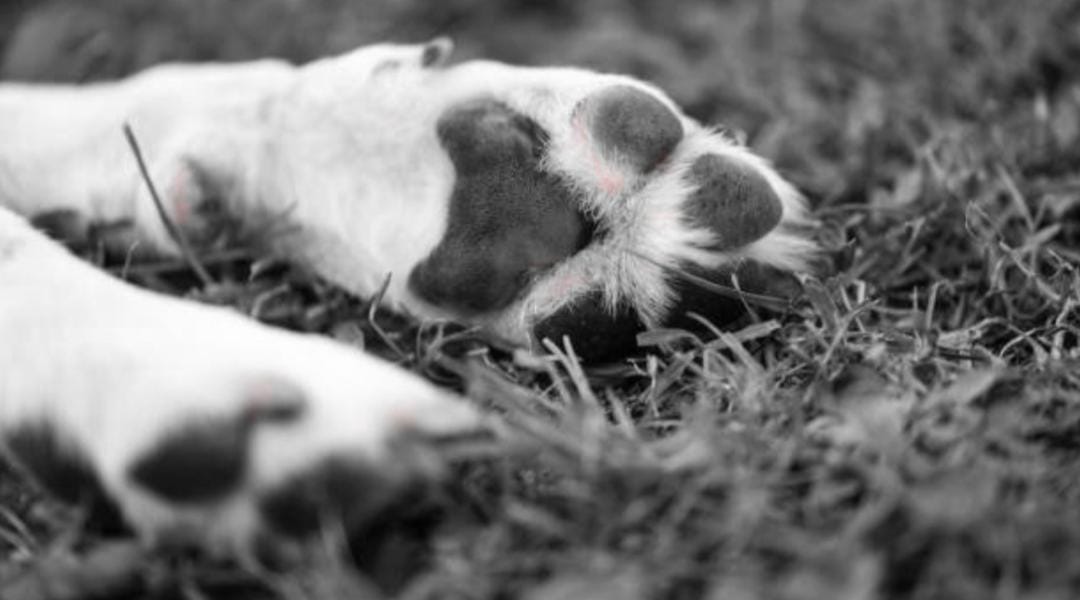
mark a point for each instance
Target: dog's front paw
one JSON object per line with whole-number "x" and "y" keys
{"x": 245, "y": 457}
{"x": 588, "y": 206}
{"x": 196, "y": 426}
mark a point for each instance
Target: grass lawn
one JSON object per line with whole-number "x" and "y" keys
{"x": 908, "y": 429}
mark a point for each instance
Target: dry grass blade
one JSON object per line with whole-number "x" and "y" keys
{"x": 175, "y": 232}
{"x": 772, "y": 303}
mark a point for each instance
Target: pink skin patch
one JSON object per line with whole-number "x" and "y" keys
{"x": 270, "y": 400}
{"x": 403, "y": 419}
{"x": 609, "y": 180}
{"x": 564, "y": 284}
{"x": 177, "y": 195}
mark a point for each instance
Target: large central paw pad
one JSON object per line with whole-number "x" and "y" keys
{"x": 509, "y": 220}
{"x": 592, "y": 219}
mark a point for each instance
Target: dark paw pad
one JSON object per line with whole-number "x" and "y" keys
{"x": 57, "y": 465}
{"x": 632, "y": 125}
{"x": 357, "y": 493}
{"x": 596, "y": 333}
{"x": 338, "y": 488}
{"x": 508, "y": 220}
{"x": 733, "y": 200}
{"x": 205, "y": 459}
{"x": 386, "y": 516}
{"x": 387, "y": 509}
{"x": 199, "y": 461}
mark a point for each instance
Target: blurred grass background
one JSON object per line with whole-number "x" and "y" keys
{"x": 913, "y": 431}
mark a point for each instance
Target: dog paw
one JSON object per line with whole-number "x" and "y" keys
{"x": 246, "y": 459}
{"x": 291, "y": 458}
{"x": 195, "y": 426}
{"x": 590, "y": 207}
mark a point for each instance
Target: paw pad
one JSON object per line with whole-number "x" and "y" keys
{"x": 57, "y": 464}
{"x": 207, "y": 458}
{"x": 596, "y": 333}
{"x": 508, "y": 218}
{"x": 733, "y": 201}
{"x": 198, "y": 462}
{"x": 631, "y": 126}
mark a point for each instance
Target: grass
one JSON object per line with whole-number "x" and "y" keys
{"x": 910, "y": 430}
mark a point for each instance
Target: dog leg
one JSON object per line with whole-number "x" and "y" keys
{"x": 194, "y": 424}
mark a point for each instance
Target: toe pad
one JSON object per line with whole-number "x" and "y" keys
{"x": 632, "y": 126}
{"x": 733, "y": 201}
